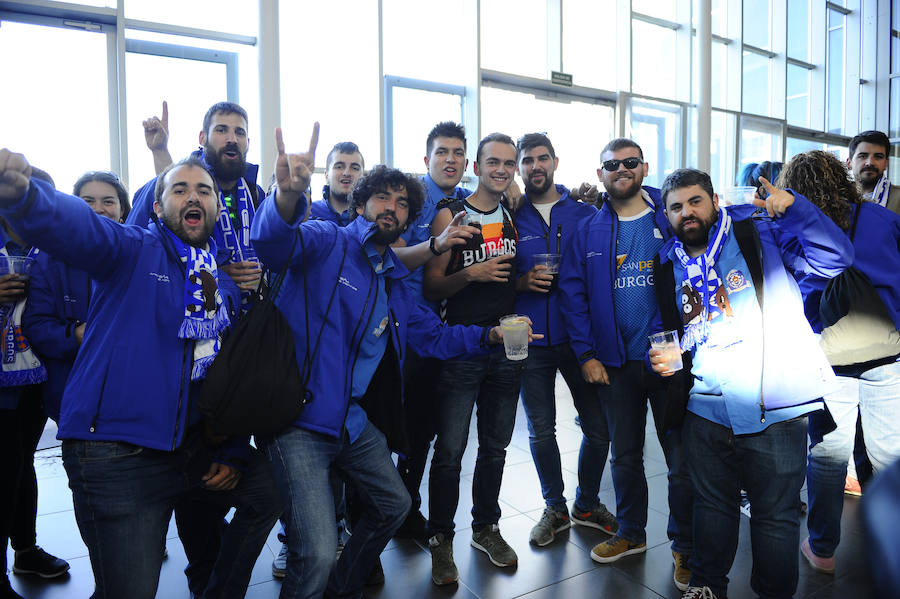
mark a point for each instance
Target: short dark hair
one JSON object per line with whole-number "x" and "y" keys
{"x": 224, "y": 108}
{"x": 686, "y": 177}
{"x": 111, "y": 179}
{"x": 344, "y": 147}
{"x": 381, "y": 178}
{"x": 191, "y": 161}
{"x": 445, "y": 129}
{"x": 620, "y": 143}
{"x": 872, "y": 137}
{"x": 529, "y": 141}
{"x": 498, "y": 137}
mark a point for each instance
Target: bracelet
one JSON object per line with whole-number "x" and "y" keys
{"x": 432, "y": 248}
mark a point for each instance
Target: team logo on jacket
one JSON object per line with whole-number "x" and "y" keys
{"x": 736, "y": 281}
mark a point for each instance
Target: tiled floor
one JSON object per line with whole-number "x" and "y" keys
{"x": 562, "y": 569}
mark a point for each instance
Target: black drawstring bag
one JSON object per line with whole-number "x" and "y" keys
{"x": 254, "y": 385}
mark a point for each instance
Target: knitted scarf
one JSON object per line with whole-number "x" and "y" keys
{"x": 882, "y": 190}
{"x": 700, "y": 276}
{"x": 19, "y": 365}
{"x": 237, "y": 241}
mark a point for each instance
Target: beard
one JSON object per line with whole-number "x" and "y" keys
{"x": 698, "y": 236}
{"x": 626, "y": 193}
{"x": 340, "y": 197}
{"x": 226, "y": 170}
{"x": 174, "y": 223}
{"x": 869, "y": 176}
{"x": 386, "y": 236}
{"x": 532, "y": 190}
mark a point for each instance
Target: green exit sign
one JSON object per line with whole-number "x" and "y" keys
{"x": 561, "y": 78}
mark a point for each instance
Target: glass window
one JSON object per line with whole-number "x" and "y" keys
{"x": 654, "y": 8}
{"x": 894, "y": 164}
{"x": 895, "y": 36}
{"x": 415, "y": 113}
{"x": 719, "y": 69}
{"x": 231, "y": 16}
{"x": 577, "y": 128}
{"x": 190, "y": 87}
{"x": 657, "y": 128}
{"x": 718, "y": 14}
{"x": 760, "y": 141}
{"x": 340, "y": 88}
{"x": 796, "y": 145}
{"x": 834, "y": 98}
{"x": 63, "y": 123}
{"x": 798, "y": 29}
{"x": 591, "y": 64}
{"x": 757, "y": 19}
{"x": 406, "y": 27}
{"x": 722, "y": 146}
{"x": 505, "y": 25}
{"x": 797, "y": 101}
{"x": 895, "y": 107}
{"x": 654, "y": 60}
{"x": 756, "y": 90}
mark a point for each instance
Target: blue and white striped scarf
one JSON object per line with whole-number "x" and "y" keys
{"x": 700, "y": 273}
{"x": 882, "y": 191}
{"x": 237, "y": 241}
{"x": 19, "y": 364}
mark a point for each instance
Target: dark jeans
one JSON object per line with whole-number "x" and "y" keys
{"x": 539, "y": 401}
{"x": 124, "y": 496}
{"x": 492, "y": 384}
{"x": 20, "y": 431}
{"x": 420, "y": 379}
{"x": 301, "y": 461}
{"x": 625, "y": 403}
{"x": 770, "y": 466}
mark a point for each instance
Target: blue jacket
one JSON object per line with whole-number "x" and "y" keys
{"x": 331, "y": 260}
{"x": 131, "y": 378}
{"x": 58, "y": 299}
{"x": 877, "y": 250}
{"x": 586, "y": 278}
{"x": 804, "y": 242}
{"x": 536, "y": 237}
{"x": 322, "y": 210}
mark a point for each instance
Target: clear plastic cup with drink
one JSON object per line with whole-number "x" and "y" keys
{"x": 551, "y": 263}
{"x": 515, "y": 336}
{"x": 667, "y": 343}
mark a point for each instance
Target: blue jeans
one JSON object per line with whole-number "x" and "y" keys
{"x": 492, "y": 383}
{"x": 124, "y": 496}
{"x": 875, "y": 396}
{"x": 301, "y": 460}
{"x": 624, "y": 401}
{"x": 770, "y": 466}
{"x": 539, "y": 401}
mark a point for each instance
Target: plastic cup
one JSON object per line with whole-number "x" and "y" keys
{"x": 667, "y": 343}
{"x": 734, "y": 196}
{"x": 515, "y": 336}
{"x": 19, "y": 265}
{"x": 551, "y": 261}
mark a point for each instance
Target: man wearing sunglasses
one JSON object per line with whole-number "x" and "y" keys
{"x": 606, "y": 280}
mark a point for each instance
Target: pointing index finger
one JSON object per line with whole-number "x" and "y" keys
{"x": 769, "y": 187}
{"x": 314, "y": 140}
{"x": 279, "y": 141}
{"x": 165, "y": 114}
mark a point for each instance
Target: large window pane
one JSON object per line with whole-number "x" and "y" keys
{"x": 757, "y": 31}
{"x": 415, "y": 113}
{"x": 760, "y": 141}
{"x": 60, "y": 119}
{"x": 655, "y": 8}
{"x": 411, "y": 50}
{"x": 584, "y": 22}
{"x": 834, "y": 99}
{"x": 798, "y": 29}
{"x": 797, "y": 105}
{"x": 719, "y": 69}
{"x": 190, "y": 87}
{"x": 722, "y": 145}
{"x": 718, "y": 14}
{"x": 577, "y": 129}
{"x": 513, "y": 37}
{"x": 231, "y": 16}
{"x": 339, "y": 86}
{"x": 895, "y": 36}
{"x": 654, "y": 60}
{"x": 657, "y": 128}
{"x": 895, "y": 107}
{"x": 756, "y": 91}
{"x": 794, "y": 146}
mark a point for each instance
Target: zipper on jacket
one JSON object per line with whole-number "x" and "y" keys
{"x": 762, "y": 316}
{"x": 93, "y": 428}
{"x": 399, "y": 349}
{"x": 372, "y": 282}
{"x": 184, "y": 358}
{"x": 614, "y": 263}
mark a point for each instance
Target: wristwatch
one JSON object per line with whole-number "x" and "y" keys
{"x": 431, "y": 246}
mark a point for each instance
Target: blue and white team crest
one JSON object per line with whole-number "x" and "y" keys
{"x": 735, "y": 280}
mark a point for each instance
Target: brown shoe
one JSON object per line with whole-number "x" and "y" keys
{"x": 682, "y": 575}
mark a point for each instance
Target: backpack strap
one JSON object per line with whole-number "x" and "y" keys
{"x": 751, "y": 248}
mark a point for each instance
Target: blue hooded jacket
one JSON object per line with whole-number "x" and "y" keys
{"x": 536, "y": 237}
{"x": 323, "y": 210}
{"x": 586, "y": 278}
{"x": 131, "y": 378}
{"x": 328, "y": 260}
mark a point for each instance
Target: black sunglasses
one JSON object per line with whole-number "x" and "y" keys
{"x": 630, "y": 163}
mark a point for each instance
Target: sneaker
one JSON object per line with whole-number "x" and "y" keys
{"x": 698, "y": 593}
{"x": 598, "y": 518}
{"x": 376, "y": 576}
{"x": 279, "y": 564}
{"x": 615, "y": 549}
{"x": 413, "y": 527}
{"x": 819, "y": 564}
{"x": 552, "y": 521}
{"x": 682, "y": 575}
{"x": 443, "y": 569}
{"x": 37, "y": 561}
{"x": 851, "y": 487}
{"x": 488, "y": 539}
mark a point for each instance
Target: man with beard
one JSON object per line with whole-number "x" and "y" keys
{"x": 353, "y": 418}
{"x": 546, "y": 221}
{"x": 607, "y": 297}
{"x": 133, "y": 443}
{"x": 343, "y": 168}
{"x": 868, "y": 161}
{"x": 753, "y": 369}
{"x": 224, "y": 143}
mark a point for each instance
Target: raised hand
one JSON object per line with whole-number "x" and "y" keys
{"x": 156, "y": 130}
{"x": 293, "y": 171}
{"x": 778, "y": 200}
{"x": 15, "y": 173}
